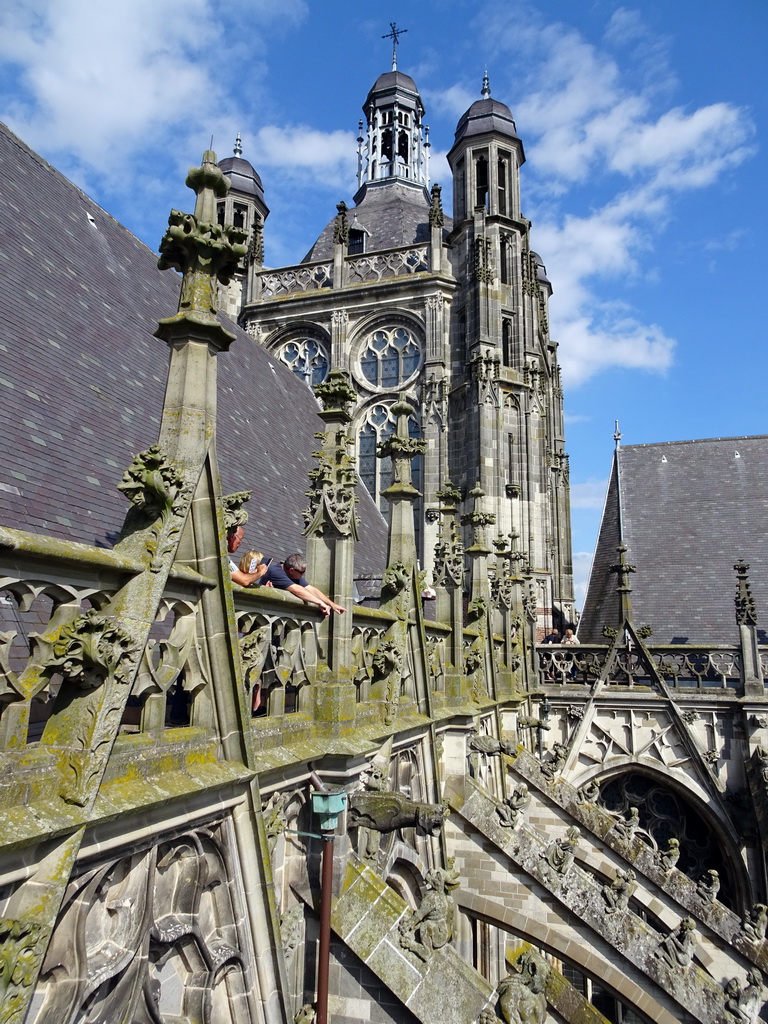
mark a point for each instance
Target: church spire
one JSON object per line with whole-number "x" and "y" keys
{"x": 486, "y": 91}
{"x": 238, "y": 150}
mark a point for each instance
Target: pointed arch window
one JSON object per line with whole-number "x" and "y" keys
{"x": 307, "y": 358}
{"x": 376, "y": 473}
{"x": 390, "y": 358}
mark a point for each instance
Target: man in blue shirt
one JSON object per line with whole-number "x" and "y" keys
{"x": 289, "y": 575}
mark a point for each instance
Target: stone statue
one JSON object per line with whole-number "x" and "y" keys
{"x": 306, "y": 1015}
{"x": 677, "y": 948}
{"x": 668, "y": 858}
{"x": 708, "y": 886}
{"x": 589, "y": 793}
{"x": 625, "y": 828}
{"x": 434, "y": 918}
{"x": 487, "y": 1016}
{"x": 618, "y": 893}
{"x": 743, "y": 1004}
{"x": 756, "y": 922}
{"x": 275, "y": 821}
{"x": 514, "y": 805}
{"x": 479, "y": 743}
{"x": 559, "y": 756}
{"x": 521, "y": 996}
{"x": 560, "y": 853}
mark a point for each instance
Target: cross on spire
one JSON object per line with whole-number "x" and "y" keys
{"x": 394, "y": 36}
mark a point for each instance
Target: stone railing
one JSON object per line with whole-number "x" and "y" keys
{"x": 388, "y": 263}
{"x": 306, "y": 277}
{"x": 681, "y": 667}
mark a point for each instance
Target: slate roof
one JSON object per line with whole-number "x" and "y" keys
{"x": 688, "y": 510}
{"x": 391, "y": 213}
{"x": 82, "y": 379}
{"x": 486, "y": 115}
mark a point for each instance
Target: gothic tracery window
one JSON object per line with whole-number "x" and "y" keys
{"x": 307, "y": 358}
{"x": 390, "y": 358}
{"x": 376, "y": 473}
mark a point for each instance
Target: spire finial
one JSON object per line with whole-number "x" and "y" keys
{"x": 393, "y": 35}
{"x": 486, "y": 92}
{"x": 238, "y": 151}
{"x": 617, "y": 435}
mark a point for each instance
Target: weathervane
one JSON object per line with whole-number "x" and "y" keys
{"x": 393, "y": 35}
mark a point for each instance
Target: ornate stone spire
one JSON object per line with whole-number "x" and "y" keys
{"x": 205, "y": 252}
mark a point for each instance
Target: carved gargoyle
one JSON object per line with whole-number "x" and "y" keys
{"x": 387, "y": 812}
{"x": 521, "y": 996}
{"x": 434, "y": 919}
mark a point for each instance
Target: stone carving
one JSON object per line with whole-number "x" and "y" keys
{"x": 668, "y": 858}
{"x": 436, "y": 218}
{"x": 690, "y": 716}
{"x": 756, "y": 922}
{"x": 332, "y": 497}
{"x": 708, "y": 886}
{"x": 479, "y": 743}
{"x": 275, "y": 821}
{"x": 746, "y": 613}
{"x": 618, "y": 893}
{"x": 176, "y": 896}
{"x": 396, "y": 580}
{"x": 158, "y": 495}
{"x": 487, "y": 1016}
{"x": 511, "y": 810}
{"x": 291, "y": 926}
{"x": 204, "y": 253}
{"x": 387, "y": 812}
{"x": 625, "y": 828}
{"x": 531, "y": 722}
{"x": 743, "y": 1004}
{"x": 93, "y": 649}
{"x": 306, "y": 1015}
{"x": 477, "y": 609}
{"x": 574, "y": 712}
{"x": 560, "y": 853}
{"x": 449, "y": 557}
{"x": 677, "y": 948}
{"x": 254, "y": 647}
{"x": 589, "y": 793}
{"x": 19, "y": 960}
{"x": 234, "y": 513}
{"x": 340, "y": 227}
{"x": 550, "y": 768}
{"x": 521, "y": 996}
{"x": 433, "y": 921}
{"x": 256, "y": 248}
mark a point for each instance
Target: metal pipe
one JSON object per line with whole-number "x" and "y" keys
{"x": 324, "y": 953}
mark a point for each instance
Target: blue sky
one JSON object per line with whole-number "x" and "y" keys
{"x": 645, "y": 179}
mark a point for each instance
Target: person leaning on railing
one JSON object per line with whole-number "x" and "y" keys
{"x": 289, "y": 575}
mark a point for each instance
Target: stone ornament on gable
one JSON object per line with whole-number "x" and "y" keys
{"x": 625, "y": 828}
{"x": 677, "y": 948}
{"x": 589, "y": 793}
{"x": 19, "y": 957}
{"x": 743, "y": 1004}
{"x": 510, "y": 812}
{"x": 756, "y": 922}
{"x": 431, "y": 926}
{"x": 234, "y": 513}
{"x": 617, "y": 893}
{"x": 158, "y": 495}
{"x": 560, "y": 853}
{"x": 668, "y": 858}
{"x": 708, "y": 886}
{"x": 552, "y": 767}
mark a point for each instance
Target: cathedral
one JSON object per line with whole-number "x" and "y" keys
{"x": 224, "y": 804}
{"x": 449, "y": 310}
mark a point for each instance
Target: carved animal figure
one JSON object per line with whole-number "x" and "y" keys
{"x": 387, "y": 812}
{"x": 521, "y": 996}
{"x": 434, "y": 918}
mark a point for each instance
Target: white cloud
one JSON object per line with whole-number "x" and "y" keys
{"x": 588, "y": 494}
{"x": 329, "y": 157}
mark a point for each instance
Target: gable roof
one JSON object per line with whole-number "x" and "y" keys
{"x": 82, "y": 378}
{"x": 687, "y": 511}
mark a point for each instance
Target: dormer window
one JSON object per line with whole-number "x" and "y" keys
{"x": 356, "y": 242}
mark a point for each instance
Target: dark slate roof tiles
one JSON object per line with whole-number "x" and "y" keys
{"x": 689, "y": 511}
{"x": 82, "y": 378}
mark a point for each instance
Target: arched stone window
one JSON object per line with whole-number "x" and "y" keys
{"x": 376, "y": 473}
{"x": 307, "y": 358}
{"x": 390, "y": 357}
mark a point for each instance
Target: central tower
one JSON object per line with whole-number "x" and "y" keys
{"x": 449, "y": 312}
